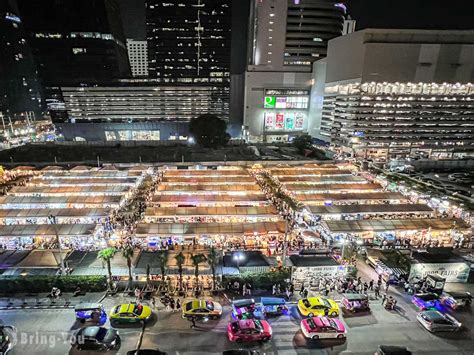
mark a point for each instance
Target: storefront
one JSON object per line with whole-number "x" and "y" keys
{"x": 62, "y": 216}
{"x": 308, "y": 269}
{"x": 58, "y": 202}
{"x": 440, "y": 262}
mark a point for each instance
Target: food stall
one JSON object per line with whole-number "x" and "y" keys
{"x": 371, "y": 211}
{"x": 69, "y": 191}
{"x": 63, "y": 216}
{"x": 203, "y": 200}
{"x": 221, "y": 235}
{"x": 211, "y": 214}
{"x": 445, "y": 231}
{"x": 366, "y": 198}
{"x": 57, "y": 202}
{"x": 308, "y": 269}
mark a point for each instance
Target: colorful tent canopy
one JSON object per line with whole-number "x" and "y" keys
{"x": 210, "y": 211}
{"x": 372, "y": 208}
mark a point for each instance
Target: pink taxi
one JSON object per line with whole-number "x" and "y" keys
{"x": 323, "y": 327}
{"x": 249, "y": 330}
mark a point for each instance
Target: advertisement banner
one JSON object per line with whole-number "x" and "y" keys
{"x": 290, "y": 121}
{"x": 280, "y": 102}
{"x": 452, "y": 272}
{"x": 269, "y": 120}
{"x": 280, "y": 121}
{"x": 269, "y": 102}
{"x": 299, "y": 121}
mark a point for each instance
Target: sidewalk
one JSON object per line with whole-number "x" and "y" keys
{"x": 42, "y": 301}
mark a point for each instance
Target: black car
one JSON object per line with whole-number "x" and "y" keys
{"x": 241, "y": 352}
{"x": 96, "y": 338}
{"x": 146, "y": 352}
{"x": 392, "y": 350}
{"x": 6, "y": 333}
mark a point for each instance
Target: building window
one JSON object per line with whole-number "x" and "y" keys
{"x": 77, "y": 50}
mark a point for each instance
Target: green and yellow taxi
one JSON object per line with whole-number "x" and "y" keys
{"x": 130, "y": 313}
{"x": 318, "y": 306}
{"x": 202, "y": 309}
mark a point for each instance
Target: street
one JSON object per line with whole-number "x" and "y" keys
{"x": 49, "y": 331}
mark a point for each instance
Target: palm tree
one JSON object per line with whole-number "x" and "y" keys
{"x": 197, "y": 259}
{"x": 162, "y": 260}
{"x": 180, "y": 258}
{"x": 212, "y": 259}
{"x": 106, "y": 255}
{"x": 127, "y": 253}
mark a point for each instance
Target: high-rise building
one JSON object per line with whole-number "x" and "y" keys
{"x": 138, "y": 57}
{"x": 75, "y": 41}
{"x": 285, "y": 38}
{"x": 189, "y": 44}
{"x": 293, "y": 33}
{"x": 21, "y": 100}
{"x": 403, "y": 93}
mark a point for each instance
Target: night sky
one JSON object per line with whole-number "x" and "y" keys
{"x": 422, "y": 14}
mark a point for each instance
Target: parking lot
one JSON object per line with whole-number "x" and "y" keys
{"x": 49, "y": 332}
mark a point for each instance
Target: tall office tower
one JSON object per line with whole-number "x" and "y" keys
{"x": 21, "y": 101}
{"x": 189, "y": 43}
{"x": 293, "y": 33}
{"x": 285, "y": 38}
{"x": 404, "y": 93}
{"x": 74, "y": 41}
{"x": 138, "y": 57}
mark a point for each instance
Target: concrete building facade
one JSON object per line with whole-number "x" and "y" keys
{"x": 402, "y": 93}
{"x": 138, "y": 57}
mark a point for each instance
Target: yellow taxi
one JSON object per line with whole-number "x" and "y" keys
{"x": 318, "y": 306}
{"x": 201, "y": 309}
{"x": 130, "y": 313}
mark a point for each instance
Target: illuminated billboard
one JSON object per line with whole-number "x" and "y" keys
{"x": 270, "y": 102}
{"x": 284, "y": 121}
{"x": 284, "y": 102}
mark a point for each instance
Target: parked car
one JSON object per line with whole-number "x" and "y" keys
{"x": 425, "y": 300}
{"x": 146, "y": 352}
{"x": 201, "y": 309}
{"x": 6, "y": 338}
{"x": 355, "y": 302}
{"x": 318, "y": 306}
{"x": 323, "y": 327}
{"x": 241, "y": 352}
{"x": 130, "y": 313}
{"x": 456, "y": 300}
{"x": 249, "y": 330}
{"x": 436, "y": 321}
{"x": 96, "y": 338}
{"x": 392, "y": 350}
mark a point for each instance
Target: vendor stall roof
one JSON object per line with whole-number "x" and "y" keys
{"x": 94, "y": 174}
{"x": 62, "y": 212}
{"x": 210, "y": 211}
{"x": 47, "y": 230}
{"x": 207, "y": 172}
{"x": 371, "y": 208}
{"x": 312, "y": 260}
{"x": 172, "y": 187}
{"x": 297, "y": 188}
{"x": 42, "y": 259}
{"x": 65, "y": 190}
{"x": 24, "y": 168}
{"x": 192, "y": 199}
{"x": 62, "y": 181}
{"x": 356, "y": 196}
{"x": 291, "y": 180}
{"x": 53, "y": 168}
{"x": 376, "y": 225}
{"x": 156, "y": 229}
{"x": 317, "y": 172}
{"x": 29, "y": 201}
{"x": 208, "y": 179}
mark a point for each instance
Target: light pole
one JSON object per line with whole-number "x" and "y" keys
{"x": 285, "y": 243}
{"x": 58, "y": 240}
{"x": 238, "y": 256}
{"x": 343, "y": 242}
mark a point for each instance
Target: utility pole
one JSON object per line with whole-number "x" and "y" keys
{"x": 285, "y": 242}
{"x": 58, "y": 240}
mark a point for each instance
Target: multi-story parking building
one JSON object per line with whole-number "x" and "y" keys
{"x": 402, "y": 93}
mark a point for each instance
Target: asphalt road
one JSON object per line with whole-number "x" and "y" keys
{"x": 49, "y": 331}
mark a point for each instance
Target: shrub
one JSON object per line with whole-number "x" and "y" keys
{"x": 43, "y": 283}
{"x": 261, "y": 281}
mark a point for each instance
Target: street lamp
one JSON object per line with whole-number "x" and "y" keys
{"x": 58, "y": 240}
{"x": 238, "y": 257}
{"x": 343, "y": 242}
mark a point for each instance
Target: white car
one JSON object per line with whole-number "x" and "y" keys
{"x": 323, "y": 327}
{"x": 436, "y": 321}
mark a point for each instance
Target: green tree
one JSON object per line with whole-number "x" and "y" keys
{"x": 162, "y": 260}
{"x": 197, "y": 259}
{"x": 212, "y": 259}
{"x": 302, "y": 142}
{"x": 127, "y": 253}
{"x": 180, "y": 262}
{"x": 106, "y": 255}
{"x": 209, "y": 131}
